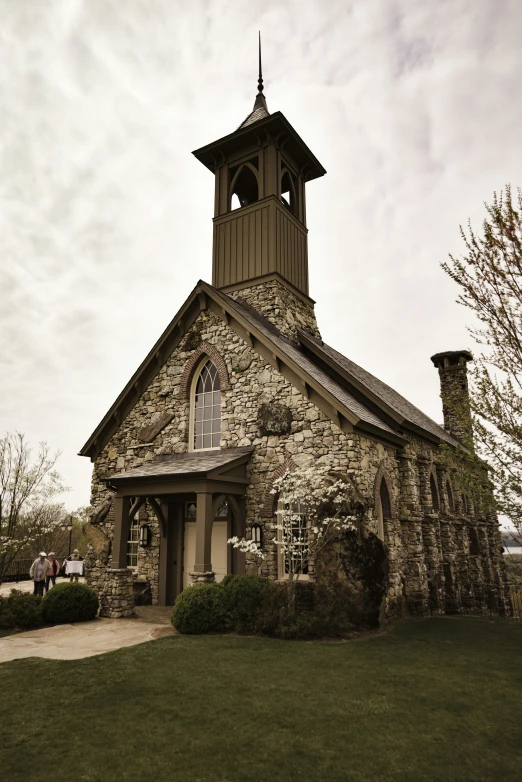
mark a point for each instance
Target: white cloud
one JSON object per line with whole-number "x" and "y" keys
{"x": 105, "y": 216}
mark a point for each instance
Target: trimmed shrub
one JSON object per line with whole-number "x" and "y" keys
{"x": 226, "y": 579}
{"x": 246, "y": 597}
{"x": 20, "y": 609}
{"x": 72, "y": 602}
{"x": 199, "y": 609}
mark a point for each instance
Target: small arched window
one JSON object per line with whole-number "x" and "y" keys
{"x": 435, "y": 504}
{"x": 206, "y": 408}
{"x": 474, "y": 543}
{"x": 451, "y": 501}
{"x": 244, "y": 188}
{"x": 383, "y": 508}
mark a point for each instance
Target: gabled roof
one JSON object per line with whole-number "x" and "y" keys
{"x": 346, "y": 393}
{"x": 389, "y": 400}
{"x": 182, "y": 465}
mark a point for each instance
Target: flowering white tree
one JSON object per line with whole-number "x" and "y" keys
{"x": 314, "y": 506}
{"x": 28, "y": 486}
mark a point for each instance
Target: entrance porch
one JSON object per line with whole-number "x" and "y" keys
{"x": 199, "y": 500}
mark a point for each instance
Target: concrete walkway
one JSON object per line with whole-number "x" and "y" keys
{"x": 86, "y": 639}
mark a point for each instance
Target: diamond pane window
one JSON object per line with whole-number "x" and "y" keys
{"x": 207, "y": 409}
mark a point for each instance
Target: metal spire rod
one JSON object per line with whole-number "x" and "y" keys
{"x": 260, "y": 79}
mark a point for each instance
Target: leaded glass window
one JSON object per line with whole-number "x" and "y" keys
{"x": 294, "y": 551}
{"x": 207, "y": 409}
{"x": 133, "y": 540}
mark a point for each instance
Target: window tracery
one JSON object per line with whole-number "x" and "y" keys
{"x": 206, "y": 411}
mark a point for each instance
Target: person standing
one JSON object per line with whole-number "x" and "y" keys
{"x": 54, "y": 569}
{"x": 75, "y": 557}
{"x": 38, "y": 573}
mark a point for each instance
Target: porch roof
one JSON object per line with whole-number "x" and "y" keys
{"x": 201, "y": 464}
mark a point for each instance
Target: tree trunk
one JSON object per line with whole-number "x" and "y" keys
{"x": 291, "y": 593}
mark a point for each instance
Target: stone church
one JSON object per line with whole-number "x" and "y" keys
{"x": 241, "y": 387}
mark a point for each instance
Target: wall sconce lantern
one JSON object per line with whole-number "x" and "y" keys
{"x": 257, "y": 536}
{"x": 144, "y": 536}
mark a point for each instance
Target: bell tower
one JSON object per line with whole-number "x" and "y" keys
{"x": 261, "y": 171}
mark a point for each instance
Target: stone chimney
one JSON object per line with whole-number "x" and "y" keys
{"x": 453, "y": 373}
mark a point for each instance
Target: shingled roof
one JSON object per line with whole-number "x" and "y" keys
{"x": 259, "y": 112}
{"x": 406, "y": 412}
{"x": 185, "y": 464}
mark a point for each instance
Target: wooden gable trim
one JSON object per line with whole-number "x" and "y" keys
{"x": 143, "y": 376}
{"x": 351, "y": 379}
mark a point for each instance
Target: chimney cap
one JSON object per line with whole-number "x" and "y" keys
{"x": 451, "y": 358}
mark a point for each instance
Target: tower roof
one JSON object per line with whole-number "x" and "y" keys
{"x": 265, "y": 130}
{"x": 260, "y": 110}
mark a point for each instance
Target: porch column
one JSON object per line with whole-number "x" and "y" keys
{"x": 121, "y": 532}
{"x": 204, "y": 521}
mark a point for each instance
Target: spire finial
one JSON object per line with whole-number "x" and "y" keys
{"x": 260, "y": 78}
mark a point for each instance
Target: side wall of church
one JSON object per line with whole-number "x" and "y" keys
{"x": 428, "y": 549}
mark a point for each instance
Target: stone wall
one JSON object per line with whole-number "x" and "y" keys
{"x": 114, "y": 586}
{"x": 280, "y": 305}
{"x": 428, "y": 551}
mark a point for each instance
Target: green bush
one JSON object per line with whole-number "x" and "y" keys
{"x": 66, "y": 603}
{"x": 246, "y": 596}
{"x": 332, "y": 613}
{"x": 20, "y": 609}
{"x": 201, "y": 608}
{"x": 364, "y": 561}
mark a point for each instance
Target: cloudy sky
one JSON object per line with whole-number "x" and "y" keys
{"x": 413, "y": 106}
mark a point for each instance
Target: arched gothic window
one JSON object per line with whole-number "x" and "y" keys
{"x": 244, "y": 188}
{"x": 434, "y": 493}
{"x": 292, "y": 537}
{"x": 383, "y": 508}
{"x": 288, "y": 196}
{"x": 206, "y": 408}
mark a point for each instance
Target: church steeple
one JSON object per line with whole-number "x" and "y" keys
{"x": 260, "y": 173}
{"x": 260, "y": 110}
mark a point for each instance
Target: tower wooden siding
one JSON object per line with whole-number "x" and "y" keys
{"x": 260, "y": 239}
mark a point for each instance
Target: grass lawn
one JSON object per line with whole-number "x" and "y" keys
{"x": 434, "y": 699}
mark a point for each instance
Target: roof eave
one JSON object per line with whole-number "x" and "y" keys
{"x": 207, "y": 154}
{"x": 156, "y": 354}
{"x": 214, "y": 473}
{"x": 309, "y": 343}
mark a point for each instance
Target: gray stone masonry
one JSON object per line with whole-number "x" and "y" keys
{"x": 280, "y": 305}
{"x": 428, "y": 548}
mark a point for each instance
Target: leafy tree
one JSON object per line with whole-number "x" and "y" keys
{"x": 315, "y": 506}
{"x": 28, "y": 486}
{"x": 489, "y": 275}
